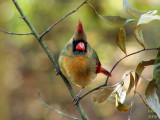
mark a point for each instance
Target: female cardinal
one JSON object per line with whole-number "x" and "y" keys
{"x": 78, "y": 61}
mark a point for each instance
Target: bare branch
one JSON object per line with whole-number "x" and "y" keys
{"x": 56, "y": 109}
{"x": 11, "y": 33}
{"x": 62, "y": 19}
{"x": 79, "y": 107}
{"x": 26, "y": 19}
{"x": 105, "y": 85}
{"x": 126, "y": 57}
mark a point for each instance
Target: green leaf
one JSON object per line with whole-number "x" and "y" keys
{"x": 121, "y": 39}
{"x": 152, "y": 98}
{"x": 139, "y": 36}
{"x": 156, "y": 70}
{"x": 131, "y": 84}
{"x": 148, "y": 17}
{"x": 113, "y": 20}
{"x": 131, "y": 10}
{"x": 140, "y": 68}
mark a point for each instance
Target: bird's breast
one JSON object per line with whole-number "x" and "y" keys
{"x": 78, "y": 68}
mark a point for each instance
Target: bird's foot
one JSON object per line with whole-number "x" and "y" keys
{"x": 76, "y": 99}
{"x": 58, "y": 71}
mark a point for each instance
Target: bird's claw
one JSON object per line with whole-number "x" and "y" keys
{"x": 76, "y": 100}
{"x": 58, "y": 71}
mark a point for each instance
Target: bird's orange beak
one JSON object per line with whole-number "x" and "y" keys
{"x": 80, "y": 46}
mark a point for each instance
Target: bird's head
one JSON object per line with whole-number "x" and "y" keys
{"x": 79, "y": 40}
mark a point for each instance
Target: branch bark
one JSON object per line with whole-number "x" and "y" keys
{"x": 11, "y": 33}
{"x": 105, "y": 84}
{"x": 79, "y": 107}
{"x": 62, "y": 19}
{"x": 57, "y": 110}
{"x": 126, "y": 57}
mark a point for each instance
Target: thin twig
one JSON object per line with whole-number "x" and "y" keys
{"x": 15, "y": 33}
{"x": 126, "y": 57}
{"x": 26, "y": 19}
{"x": 62, "y": 19}
{"x": 120, "y": 82}
{"x": 105, "y": 85}
{"x": 56, "y": 109}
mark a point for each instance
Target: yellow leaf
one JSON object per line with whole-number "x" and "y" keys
{"x": 101, "y": 95}
{"x": 121, "y": 39}
{"x": 107, "y": 93}
{"x": 139, "y": 36}
{"x": 131, "y": 84}
{"x": 131, "y": 10}
{"x": 117, "y": 90}
{"x": 121, "y": 107}
{"x": 152, "y": 98}
{"x": 140, "y": 67}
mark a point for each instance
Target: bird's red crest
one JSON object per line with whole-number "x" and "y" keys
{"x": 80, "y": 28}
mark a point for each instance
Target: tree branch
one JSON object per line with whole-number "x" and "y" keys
{"x": 126, "y": 57}
{"x": 15, "y": 33}
{"x": 56, "y": 110}
{"x": 105, "y": 85}
{"x": 26, "y": 19}
{"x": 83, "y": 115}
{"x": 62, "y": 19}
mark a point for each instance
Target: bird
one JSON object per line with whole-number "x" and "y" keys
{"x": 79, "y": 62}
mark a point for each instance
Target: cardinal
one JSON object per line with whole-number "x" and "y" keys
{"x": 79, "y": 62}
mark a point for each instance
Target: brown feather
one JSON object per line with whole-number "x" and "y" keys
{"x": 80, "y": 68}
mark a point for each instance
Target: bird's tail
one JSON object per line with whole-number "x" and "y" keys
{"x": 104, "y": 71}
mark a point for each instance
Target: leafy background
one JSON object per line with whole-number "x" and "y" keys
{"x": 26, "y": 70}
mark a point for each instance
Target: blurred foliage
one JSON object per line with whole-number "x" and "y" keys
{"x": 26, "y": 70}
